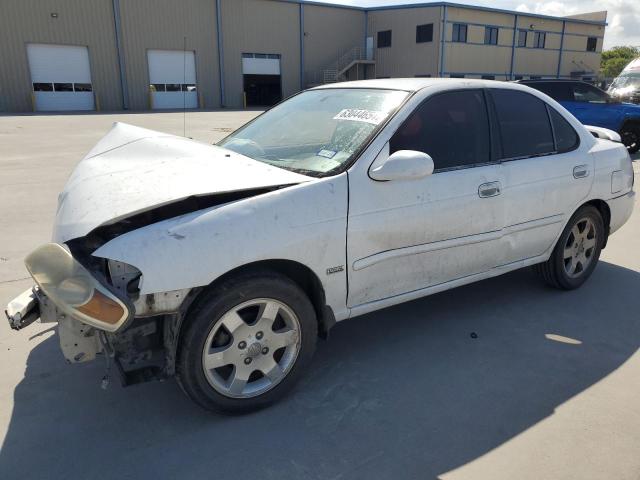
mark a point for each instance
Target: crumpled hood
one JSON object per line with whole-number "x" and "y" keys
{"x": 133, "y": 169}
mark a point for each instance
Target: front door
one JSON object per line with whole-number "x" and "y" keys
{"x": 408, "y": 235}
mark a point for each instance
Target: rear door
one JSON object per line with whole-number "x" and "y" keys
{"x": 546, "y": 173}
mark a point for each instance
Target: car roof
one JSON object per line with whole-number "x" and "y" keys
{"x": 416, "y": 84}
{"x": 547, "y": 80}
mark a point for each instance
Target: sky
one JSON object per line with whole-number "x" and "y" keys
{"x": 623, "y": 15}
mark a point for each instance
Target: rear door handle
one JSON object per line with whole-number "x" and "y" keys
{"x": 581, "y": 171}
{"x": 490, "y": 189}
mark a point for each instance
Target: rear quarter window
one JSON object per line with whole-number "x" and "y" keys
{"x": 566, "y": 137}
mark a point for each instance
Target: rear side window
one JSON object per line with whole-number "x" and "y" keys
{"x": 524, "y": 124}
{"x": 452, "y": 127}
{"x": 559, "y": 91}
{"x": 565, "y": 136}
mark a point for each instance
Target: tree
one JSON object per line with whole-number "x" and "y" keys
{"x": 616, "y": 58}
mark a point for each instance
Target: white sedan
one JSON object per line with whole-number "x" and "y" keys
{"x": 221, "y": 265}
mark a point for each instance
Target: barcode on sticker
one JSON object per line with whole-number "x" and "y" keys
{"x": 367, "y": 116}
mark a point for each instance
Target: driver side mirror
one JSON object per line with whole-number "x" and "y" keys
{"x": 402, "y": 165}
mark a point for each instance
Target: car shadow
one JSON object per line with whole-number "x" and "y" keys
{"x": 411, "y": 391}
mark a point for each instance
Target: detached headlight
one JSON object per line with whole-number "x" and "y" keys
{"x": 74, "y": 290}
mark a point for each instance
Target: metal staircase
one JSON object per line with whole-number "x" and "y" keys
{"x": 338, "y": 70}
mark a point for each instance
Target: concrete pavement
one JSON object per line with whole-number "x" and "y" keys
{"x": 549, "y": 389}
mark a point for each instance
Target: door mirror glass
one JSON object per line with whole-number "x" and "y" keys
{"x": 403, "y": 165}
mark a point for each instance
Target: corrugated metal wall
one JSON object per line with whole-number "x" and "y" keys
{"x": 268, "y": 26}
{"x": 163, "y": 24}
{"x": 79, "y": 22}
{"x": 329, "y": 33}
{"x": 405, "y": 57}
{"x": 259, "y": 26}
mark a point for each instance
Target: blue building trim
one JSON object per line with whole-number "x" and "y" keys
{"x": 443, "y": 33}
{"x": 220, "y": 52}
{"x": 120, "y": 51}
{"x": 564, "y": 24}
{"x": 513, "y": 45}
{"x": 302, "y": 82}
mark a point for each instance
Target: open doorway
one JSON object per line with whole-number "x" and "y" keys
{"x": 262, "y": 83}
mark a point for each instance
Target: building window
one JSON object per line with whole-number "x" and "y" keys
{"x": 490, "y": 35}
{"x": 488, "y": 77}
{"x": 384, "y": 39}
{"x": 592, "y": 43}
{"x": 424, "y": 33}
{"x": 522, "y": 38}
{"x": 539, "y": 39}
{"x": 43, "y": 87}
{"x": 459, "y": 32}
{"x": 82, "y": 87}
{"x": 456, "y": 75}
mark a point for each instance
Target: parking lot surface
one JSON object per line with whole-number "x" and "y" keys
{"x": 548, "y": 387}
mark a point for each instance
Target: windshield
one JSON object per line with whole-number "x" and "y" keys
{"x": 315, "y": 132}
{"x": 627, "y": 80}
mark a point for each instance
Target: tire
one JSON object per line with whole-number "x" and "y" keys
{"x": 233, "y": 320}
{"x": 567, "y": 273}
{"x": 630, "y": 134}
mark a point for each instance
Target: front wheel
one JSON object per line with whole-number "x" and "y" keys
{"x": 577, "y": 252}
{"x": 246, "y": 342}
{"x": 630, "y": 135}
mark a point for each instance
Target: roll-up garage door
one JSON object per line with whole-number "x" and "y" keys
{"x": 262, "y": 81}
{"x": 172, "y": 75}
{"x": 61, "y": 77}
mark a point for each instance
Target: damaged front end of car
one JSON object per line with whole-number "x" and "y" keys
{"x": 131, "y": 179}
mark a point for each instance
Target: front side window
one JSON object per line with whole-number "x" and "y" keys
{"x": 592, "y": 43}
{"x": 539, "y": 39}
{"x": 318, "y": 131}
{"x": 459, "y": 32}
{"x": 452, "y": 127}
{"x": 583, "y": 92}
{"x": 491, "y": 35}
{"x": 525, "y": 130}
{"x": 522, "y": 38}
{"x": 424, "y": 33}
{"x": 384, "y": 39}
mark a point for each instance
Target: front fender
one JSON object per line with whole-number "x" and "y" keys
{"x": 304, "y": 223}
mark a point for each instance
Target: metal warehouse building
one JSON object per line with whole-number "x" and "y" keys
{"x": 162, "y": 54}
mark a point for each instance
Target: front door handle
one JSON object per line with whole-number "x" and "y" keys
{"x": 581, "y": 171}
{"x": 490, "y": 189}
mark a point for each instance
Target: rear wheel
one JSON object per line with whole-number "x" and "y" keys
{"x": 577, "y": 252}
{"x": 630, "y": 135}
{"x": 246, "y": 343}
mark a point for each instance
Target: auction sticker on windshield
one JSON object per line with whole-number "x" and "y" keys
{"x": 367, "y": 116}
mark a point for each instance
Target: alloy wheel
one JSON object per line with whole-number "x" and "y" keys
{"x": 579, "y": 247}
{"x": 251, "y": 348}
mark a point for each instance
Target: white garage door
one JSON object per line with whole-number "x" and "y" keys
{"x": 260, "y": 64}
{"x": 172, "y": 75}
{"x": 61, "y": 77}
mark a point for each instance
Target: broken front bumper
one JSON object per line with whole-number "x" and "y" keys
{"x": 79, "y": 342}
{"x": 23, "y": 310}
